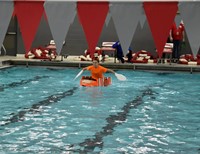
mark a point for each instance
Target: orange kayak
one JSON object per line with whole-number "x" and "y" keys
{"x": 86, "y": 81}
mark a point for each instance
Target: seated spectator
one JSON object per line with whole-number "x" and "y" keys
{"x": 41, "y": 53}
{"x": 103, "y": 56}
{"x": 129, "y": 55}
{"x": 97, "y": 54}
{"x": 52, "y": 55}
{"x": 86, "y": 56}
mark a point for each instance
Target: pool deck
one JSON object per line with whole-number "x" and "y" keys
{"x": 7, "y": 61}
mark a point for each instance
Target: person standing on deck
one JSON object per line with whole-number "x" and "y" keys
{"x": 177, "y": 36}
{"x": 120, "y": 55}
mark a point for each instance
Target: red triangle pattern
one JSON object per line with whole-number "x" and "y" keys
{"x": 92, "y": 17}
{"x": 29, "y": 14}
{"x": 160, "y": 16}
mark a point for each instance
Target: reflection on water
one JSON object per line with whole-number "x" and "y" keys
{"x": 93, "y": 94}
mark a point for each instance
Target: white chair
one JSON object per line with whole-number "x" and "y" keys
{"x": 107, "y": 44}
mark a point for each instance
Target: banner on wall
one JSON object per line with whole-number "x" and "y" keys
{"x": 92, "y": 17}
{"x": 160, "y": 16}
{"x": 6, "y": 10}
{"x": 190, "y": 13}
{"x": 60, "y": 16}
{"x": 126, "y": 18}
{"x": 29, "y": 15}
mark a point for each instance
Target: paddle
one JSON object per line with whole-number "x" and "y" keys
{"x": 78, "y": 74}
{"x": 120, "y": 77}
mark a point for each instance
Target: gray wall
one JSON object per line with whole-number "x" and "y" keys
{"x": 10, "y": 43}
{"x": 76, "y": 41}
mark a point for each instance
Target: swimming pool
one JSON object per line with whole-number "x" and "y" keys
{"x": 44, "y": 111}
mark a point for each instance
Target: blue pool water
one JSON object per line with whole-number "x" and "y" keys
{"x": 44, "y": 111}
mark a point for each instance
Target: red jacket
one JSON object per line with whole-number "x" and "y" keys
{"x": 177, "y": 32}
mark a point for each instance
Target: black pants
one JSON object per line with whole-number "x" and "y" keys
{"x": 120, "y": 57}
{"x": 176, "y": 49}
